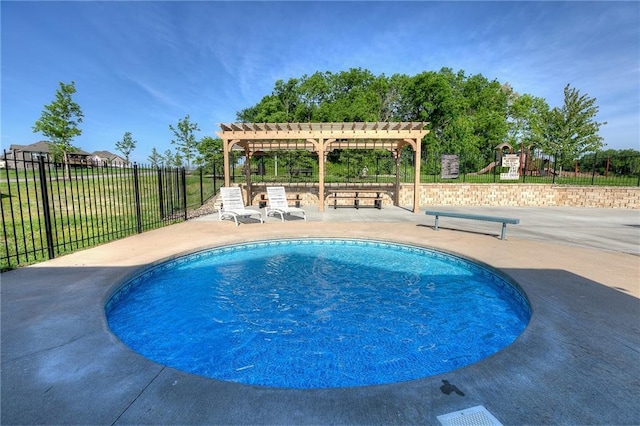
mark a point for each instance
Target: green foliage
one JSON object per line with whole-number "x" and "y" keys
{"x": 210, "y": 151}
{"x": 59, "y": 122}
{"x": 625, "y": 162}
{"x": 126, "y": 145}
{"x": 571, "y": 130}
{"x": 169, "y": 159}
{"x": 184, "y": 140}
{"x": 156, "y": 159}
{"x": 465, "y": 114}
{"x": 526, "y": 125}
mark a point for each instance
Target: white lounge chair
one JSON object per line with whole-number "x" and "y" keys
{"x": 278, "y": 203}
{"x": 233, "y": 205}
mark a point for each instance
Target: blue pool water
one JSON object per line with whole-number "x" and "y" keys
{"x": 319, "y": 313}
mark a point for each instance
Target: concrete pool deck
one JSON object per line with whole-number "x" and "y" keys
{"x": 578, "y": 361}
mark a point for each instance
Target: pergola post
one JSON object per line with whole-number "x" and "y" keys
{"x": 247, "y": 174}
{"x": 396, "y": 192}
{"x": 322, "y": 158}
{"x": 226, "y": 146}
{"x": 417, "y": 152}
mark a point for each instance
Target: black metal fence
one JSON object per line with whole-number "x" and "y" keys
{"x": 593, "y": 169}
{"x": 46, "y": 212}
{"x": 380, "y": 167}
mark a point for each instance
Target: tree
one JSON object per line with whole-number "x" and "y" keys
{"x": 126, "y": 145}
{"x": 388, "y": 92}
{"x": 156, "y": 159}
{"x": 466, "y": 114}
{"x": 571, "y": 131}
{"x": 525, "y": 120}
{"x": 487, "y": 108}
{"x": 177, "y": 160}
{"x": 210, "y": 150}
{"x": 430, "y": 96}
{"x": 169, "y": 158}
{"x": 59, "y": 122}
{"x": 185, "y": 140}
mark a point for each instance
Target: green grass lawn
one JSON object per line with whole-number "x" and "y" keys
{"x": 93, "y": 207}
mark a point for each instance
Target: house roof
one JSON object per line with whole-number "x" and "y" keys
{"x": 108, "y": 155}
{"x": 42, "y": 146}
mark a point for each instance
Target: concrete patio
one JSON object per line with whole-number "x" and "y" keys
{"x": 578, "y": 361}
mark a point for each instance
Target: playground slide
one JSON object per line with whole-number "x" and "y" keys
{"x": 486, "y": 169}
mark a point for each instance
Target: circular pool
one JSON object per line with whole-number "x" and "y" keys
{"x": 318, "y": 313}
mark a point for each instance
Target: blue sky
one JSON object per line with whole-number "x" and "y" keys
{"x": 141, "y": 66}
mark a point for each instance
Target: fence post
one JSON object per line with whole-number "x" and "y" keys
{"x": 183, "y": 175}
{"x": 160, "y": 193}
{"x": 201, "y": 187}
{"x": 45, "y": 207}
{"x": 215, "y": 179}
{"x": 595, "y": 161}
{"x": 136, "y": 188}
{"x": 461, "y": 166}
{"x": 434, "y": 167}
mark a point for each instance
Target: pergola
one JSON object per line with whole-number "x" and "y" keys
{"x": 323, "y": 138}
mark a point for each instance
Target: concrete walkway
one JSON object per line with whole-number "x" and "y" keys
{"x": 578, "y": 361}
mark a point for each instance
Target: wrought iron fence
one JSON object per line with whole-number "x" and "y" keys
{"x": 594, "y": 169}
{"x": 46, "y": 213}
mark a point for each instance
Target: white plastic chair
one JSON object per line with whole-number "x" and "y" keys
{"x": 233, "y": 205}
{"x": 278, "y": 203}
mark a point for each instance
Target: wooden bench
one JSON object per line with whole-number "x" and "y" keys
{"x": 262, "y": 202}
{"x": 356, "y": 196}
{"x": 300, "y": 172}
{"x": 503, "y": 220}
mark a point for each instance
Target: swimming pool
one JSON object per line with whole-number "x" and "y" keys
{"x": 318, "y": 313}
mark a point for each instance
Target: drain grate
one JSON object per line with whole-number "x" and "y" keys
{"x": 474, "y": 416}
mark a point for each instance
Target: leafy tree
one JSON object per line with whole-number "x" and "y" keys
{"x": 287, "y": 97}
{"x": 178, "y": 160}
{"x": 59, "y": 122}
{"x": 526, "y": 119}
{"x": 268, "y": 110}
{"x": 321, "y": 97}
{"x": 571, "y": 131}
{"x": 126, "y": 145}
{"x": 487, "y": 106}
{"x": 169, "y": 158}
{"x": 156, "y": 159}
{"x": 352, "y": 97}
{"x": 430, "y": 97}
{"x": 313, "y": 91}
{"x": 388, "y": 92}
{"x": 210, "y": 151}
{"x": 624, "y": 162}
{"x": 185, "y": 140}
{"x": 466, "y": 114}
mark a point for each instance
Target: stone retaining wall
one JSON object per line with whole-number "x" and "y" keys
{"x": 522, "y": 195}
